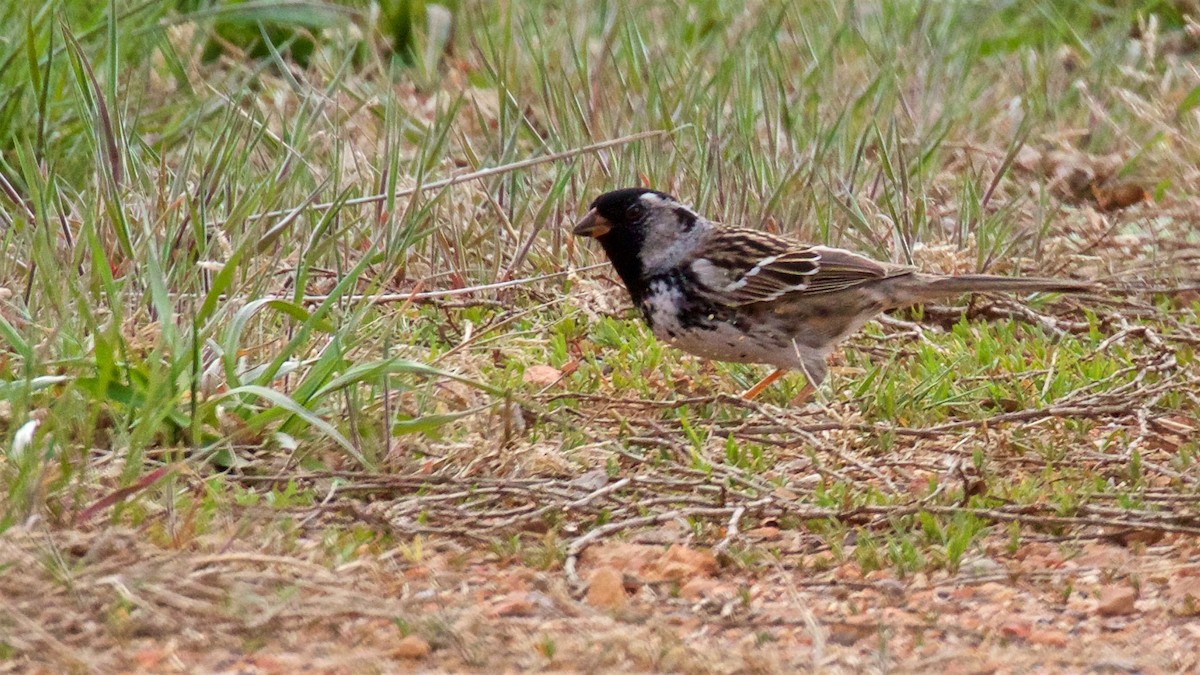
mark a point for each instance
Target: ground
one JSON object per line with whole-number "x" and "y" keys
{"x": 301, "y": 370}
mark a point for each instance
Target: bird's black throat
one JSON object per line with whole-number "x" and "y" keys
{"x": 623, "y": 247}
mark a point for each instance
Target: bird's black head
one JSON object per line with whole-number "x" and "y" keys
{"x": 631, "y": 224}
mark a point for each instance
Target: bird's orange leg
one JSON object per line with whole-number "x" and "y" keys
{"x": 763, "y": 384}
{"x": 804, "y": 396}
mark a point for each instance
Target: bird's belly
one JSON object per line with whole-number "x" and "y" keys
{"x": 713, "y": 337}
{"x": 720, "y": 342}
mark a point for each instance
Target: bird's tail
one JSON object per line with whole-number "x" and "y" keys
{"x": 931, "y": 286}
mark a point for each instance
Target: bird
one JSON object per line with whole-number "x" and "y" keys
{"x": 742, "y": 295}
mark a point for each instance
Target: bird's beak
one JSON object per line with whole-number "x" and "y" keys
{"x": 592, "y": 225}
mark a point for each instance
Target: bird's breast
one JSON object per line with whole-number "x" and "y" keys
{"x": 687, "y": 322}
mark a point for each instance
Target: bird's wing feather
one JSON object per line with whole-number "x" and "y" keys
{"x": 743, "y": 266}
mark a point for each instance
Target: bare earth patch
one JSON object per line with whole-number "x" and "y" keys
{"x": 660, "y": 567}
{"x": 127, "y": 606}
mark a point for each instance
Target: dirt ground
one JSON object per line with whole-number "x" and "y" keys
{"x": 762, "y": 599}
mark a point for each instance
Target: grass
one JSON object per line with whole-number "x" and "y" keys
{"x": 241, "y": 297}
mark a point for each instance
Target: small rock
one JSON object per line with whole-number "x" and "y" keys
{"x": 1115, "y": 665}
{"x": 459, "y": 395}
{"x": 1049, "y": 637}
{"x": 1019, "y": 630}
{"x": 766, "y": 533}
{"x": 1116, "y": 600}
{"x": 622, "y": 556}
{"x": 541, "y": 376}
{"x": 606, "y": 589}
{"x": 516, "y": 604}
{"x": 681, "y": 562}
{"x": 592, "y": 480}
{"x": 1081, "y": 605}
{"x": 1183, "y": 596}
{"x": 847, "y": 633}
{"x": 697, "y": 588}
{"x": 964, "y": 592}
{"x": 997, "y": 592}
{"x": 981, "y": 567}
{"x": 150, "y": 658}
{"x": 545, "y": 604}
{"x": 1130, "y": 537}
{"x": 412, "y": 647}
{"x": 891, "y": 588}
{"x": 848, "y": 571}
{"x": 658, "y": 537}
{"x": 1101, "y": 556}
{"x": 702, "y": 562}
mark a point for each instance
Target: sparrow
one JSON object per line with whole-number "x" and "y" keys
{"x": 746, "y": 296}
